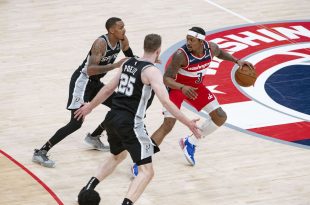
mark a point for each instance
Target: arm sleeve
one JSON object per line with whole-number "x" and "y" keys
{"x": 128, "y": 53}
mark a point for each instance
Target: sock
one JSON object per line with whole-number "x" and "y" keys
{"x": 127, "y": 202}
{"x": 193, "y": 140}
{"x": 98, "y": 130}
{"x": 47, "y": 146}
{"x": 93, "y": 182}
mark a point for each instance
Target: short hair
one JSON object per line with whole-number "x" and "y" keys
{"x": 111, "y": 22}
{"x": 89, "y": 197}
{"x": 151, "y": 43}
{"x": 198, "y": 30}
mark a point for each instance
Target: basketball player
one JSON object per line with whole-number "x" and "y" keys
{"x": 136, "y": 80}
{"x": 85, "y": 84}
{"x": 184, "y": 77}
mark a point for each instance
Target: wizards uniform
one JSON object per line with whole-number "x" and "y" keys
{"x": 192, "y": 75}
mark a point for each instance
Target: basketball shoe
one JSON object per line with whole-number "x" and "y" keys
{"x": 134, "y": 170}
{"x": 40, "y": 157}
{"x": 188, "y": 150}
{"x": 95, "y": 143}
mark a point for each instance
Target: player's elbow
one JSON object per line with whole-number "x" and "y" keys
{"x": 90, "y": 71}
{"x": 166, "y": 80}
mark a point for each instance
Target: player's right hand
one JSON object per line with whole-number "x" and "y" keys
{"x": 120, "y": 62}
{"x": 190, "y": 92}
{"x": 82, "y": 111}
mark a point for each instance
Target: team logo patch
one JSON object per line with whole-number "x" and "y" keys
{"x": 277, "y": 107}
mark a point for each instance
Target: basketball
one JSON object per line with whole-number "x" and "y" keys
{"x": 245, "y": 76}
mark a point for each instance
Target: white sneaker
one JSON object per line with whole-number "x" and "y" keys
{"x": 95, "y": 143}
{"x": 40, "y": 157}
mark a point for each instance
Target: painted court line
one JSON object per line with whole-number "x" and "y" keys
{"x": 34, "y": 177}
{"x": 229, "y": 11}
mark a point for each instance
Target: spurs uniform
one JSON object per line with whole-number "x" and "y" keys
{"x": 124, "y": 122}
{"x": 192, "y": 75}
{"x": 84, "y": 88}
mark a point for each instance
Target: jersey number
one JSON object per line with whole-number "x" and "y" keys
{"x": 199, "y": 80}
{"x": 126, "y": 84}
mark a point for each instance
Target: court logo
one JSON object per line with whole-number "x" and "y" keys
{"x": 278, "y": 106}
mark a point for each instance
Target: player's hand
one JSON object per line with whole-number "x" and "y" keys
{"x": 194, "y": 128}
{"x": 190, "y": 92}
{"x": 120, "y": 62}
{"x": 82, "y": 111}
{"x": 241, "y": 63}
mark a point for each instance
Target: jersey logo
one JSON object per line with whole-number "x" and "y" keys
{"x": 278, "y": 106}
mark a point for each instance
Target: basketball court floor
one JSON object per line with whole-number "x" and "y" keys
{"x": 245, "y": 162}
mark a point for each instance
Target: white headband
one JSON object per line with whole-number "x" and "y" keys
{"x": 196, "y": 35}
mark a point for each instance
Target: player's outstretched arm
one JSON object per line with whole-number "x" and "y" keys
{"x": 220, "y": 53}
{"x": 154, "y": 77}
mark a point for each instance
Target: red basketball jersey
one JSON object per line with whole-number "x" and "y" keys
{"x": 192, "y": 74}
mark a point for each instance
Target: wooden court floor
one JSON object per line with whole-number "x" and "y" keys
{"x": 43, "y": 42}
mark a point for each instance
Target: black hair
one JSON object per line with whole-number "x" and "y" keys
{"x": 111, "y": 22}
{"x": 198, "y": 30}
{"x": 89, "y": 197}
{"x": 152, "y": 42}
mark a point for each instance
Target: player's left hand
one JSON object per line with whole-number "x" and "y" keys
{"x": 82, "y": 111}
{"x": 190, "y": 92}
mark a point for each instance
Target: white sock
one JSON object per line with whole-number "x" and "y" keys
{"x": 193, "y": 140}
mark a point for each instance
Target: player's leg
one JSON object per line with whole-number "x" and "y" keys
{"x": 177, "y": 97}
{"x": 93, "y": 139}
{"x": 40, "y": 155}
{"x": 164, "y": 129}
{"x": 159, "y": 135}
{"x": 139, "y": 183}
{"x": 105, "y": 169}
{"x": 118, "y": 154}
{"x": 217, "y": 117}
{"x": 141, "y": 149}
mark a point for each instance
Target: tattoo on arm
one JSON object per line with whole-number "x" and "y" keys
{"x": 220, "y": 53}
{"x": 97, "y": 51}
{"x": 178, "y": 61}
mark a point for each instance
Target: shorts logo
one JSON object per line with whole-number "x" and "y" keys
{"x": 147, "y": 148}
{"x": 210, "y": 97}
{"x": 278, "y": 106}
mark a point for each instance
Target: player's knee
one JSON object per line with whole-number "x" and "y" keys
{"x": 75, "y": 125}
{"x": 218, "y": 116}
{"x": 147, "y": 171}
